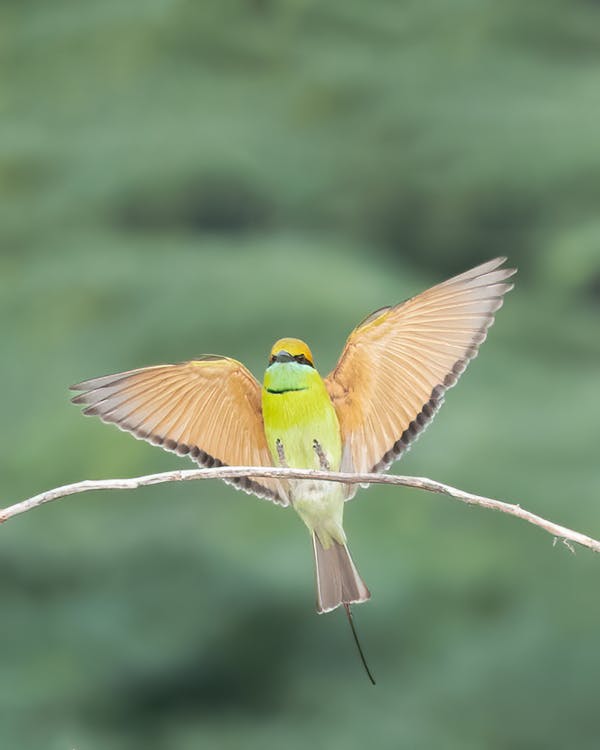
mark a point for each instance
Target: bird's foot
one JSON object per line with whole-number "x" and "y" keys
{"x": 323, "y": 462}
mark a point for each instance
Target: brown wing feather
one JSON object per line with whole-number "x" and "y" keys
{"x": 397, "y": 364}
{"x": 208, "y": 409}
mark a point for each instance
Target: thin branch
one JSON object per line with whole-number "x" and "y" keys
{"x": 228, "y": 472}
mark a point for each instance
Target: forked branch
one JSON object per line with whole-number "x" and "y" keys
{"x": 227, "y": 472}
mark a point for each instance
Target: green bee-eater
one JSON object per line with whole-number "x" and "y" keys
{"x": 386, "y": 387}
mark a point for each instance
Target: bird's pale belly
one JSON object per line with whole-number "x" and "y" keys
{"x": 321, "y": 507}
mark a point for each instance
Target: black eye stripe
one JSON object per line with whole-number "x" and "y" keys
{"x": 301, "y": 359}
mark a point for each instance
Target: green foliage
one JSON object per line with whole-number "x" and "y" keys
{"x": 188, "y": 177}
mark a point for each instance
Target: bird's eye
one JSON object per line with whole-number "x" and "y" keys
{"x": 302, "y": 360}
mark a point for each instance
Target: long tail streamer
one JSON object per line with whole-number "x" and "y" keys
{"x": 358, "y": 646}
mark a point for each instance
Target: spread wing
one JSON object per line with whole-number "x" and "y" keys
{"x": 208, "y": 409}
{"x": 397, "y": 364}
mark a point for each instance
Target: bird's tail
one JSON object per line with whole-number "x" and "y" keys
{"x": 338, "y": 580}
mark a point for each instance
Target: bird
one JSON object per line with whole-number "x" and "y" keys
{"x": 385, "y": 389}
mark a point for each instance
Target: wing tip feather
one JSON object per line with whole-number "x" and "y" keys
{"x": 482, "y": 270}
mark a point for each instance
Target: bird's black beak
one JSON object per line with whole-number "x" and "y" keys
{"x": 283, "y": 356}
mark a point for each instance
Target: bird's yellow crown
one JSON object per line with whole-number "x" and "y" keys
{"x": 295, "y": 347}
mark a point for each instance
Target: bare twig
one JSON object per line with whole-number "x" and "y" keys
{"x": 228, "y": 472}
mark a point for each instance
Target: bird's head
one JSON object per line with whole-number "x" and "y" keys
{"x": 291, "y": 350}
{"x": 290, "y": 367}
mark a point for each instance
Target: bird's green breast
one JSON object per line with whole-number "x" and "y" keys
{"x": 297, "y": 411}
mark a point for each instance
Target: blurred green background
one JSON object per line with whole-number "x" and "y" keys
{"x": 180, "y": 177}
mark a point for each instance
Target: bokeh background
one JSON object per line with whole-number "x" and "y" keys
{"x": 180, "y": 177}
